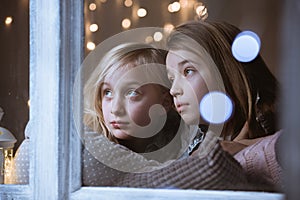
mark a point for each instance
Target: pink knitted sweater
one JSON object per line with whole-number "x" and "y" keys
{"x": 260, "y": 163}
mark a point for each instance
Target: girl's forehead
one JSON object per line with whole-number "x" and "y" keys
{"x": 117, "y": 69}
{"x": 139, "y": 75}
{"x": 191, "y": 56}
{"x": 126, "y": 78}
{"x": 176, "y": 60}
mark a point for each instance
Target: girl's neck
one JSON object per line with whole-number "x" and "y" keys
{"x": 137, "y": 145}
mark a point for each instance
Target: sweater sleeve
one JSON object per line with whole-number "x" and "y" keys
{"x": 260, "y": 163}
{"x": 210, "y": 168}
{"x": 218, "y": 170}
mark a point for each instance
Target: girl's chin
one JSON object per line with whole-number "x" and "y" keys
{"x": 121, "y": 135}
{"x": 189, "y": 120}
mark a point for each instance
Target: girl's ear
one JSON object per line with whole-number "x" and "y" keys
{"x": 167, "y": 101}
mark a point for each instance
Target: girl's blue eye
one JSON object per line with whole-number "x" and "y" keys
{"x": 132, "y": 93}
{"x": 107, "y": 93}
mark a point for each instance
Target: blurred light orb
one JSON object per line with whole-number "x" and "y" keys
{"x": 128, "y": 3}
{"x": 126, "y": 23}
{"x": 216, "y": 107}
{"x": 168, "y": 27}
{"x": 92, "y": 6}
{"x": 149, "y": 39}
{"x": 94, "y": 27}
{"x": 246, "y": 46}
{"x": 158, "y": 36}
{"x": 8, "y": 20}
{"x": 199, "y": 9}
{"x": 141, "y": 12}
{"x": 170, "y": 8}
{"x": 176, "y": 6}
{"x": 90, "y": 46}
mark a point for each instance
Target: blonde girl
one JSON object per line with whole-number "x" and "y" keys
{"x": 127, "y": 98}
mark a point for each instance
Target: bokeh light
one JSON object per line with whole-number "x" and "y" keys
{"x": 90, "y": 46}
{"x": 126, "y": 23}
{"x": 149, "y": 39}
{"x": 158, "y": 36}
{"x": 141, "y": 12}
{"x": 216, "y": 107}
{"x": 168, "y": 27}
{"x": 174, "y": 7}
{"x": 92, "y": 6}
{"x": 128, "y": 3}
{"x": 246, "y": 46}
{"x": 200, "y": 9}
{"x": 8, "y": 20}
{"x": 94, "y": 27}
{"x": 170, "y": 8}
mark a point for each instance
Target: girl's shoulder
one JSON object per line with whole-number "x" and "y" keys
{"x": 259, "y": 160}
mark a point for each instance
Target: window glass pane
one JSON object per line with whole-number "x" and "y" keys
{"x": 14, "y": 68}
{"x": 105, "y": 19}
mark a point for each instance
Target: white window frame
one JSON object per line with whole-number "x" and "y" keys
{"x": 56, "y": 52}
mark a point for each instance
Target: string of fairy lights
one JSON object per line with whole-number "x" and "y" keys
{"x": 198, "y": 8}
{"x": 138, "y": 12}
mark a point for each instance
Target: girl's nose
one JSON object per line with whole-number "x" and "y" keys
{"x": 175, "y": 89}
{"x": 117, "y": 107}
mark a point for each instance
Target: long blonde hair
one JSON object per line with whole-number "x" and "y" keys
{"x": 124, "y": 55}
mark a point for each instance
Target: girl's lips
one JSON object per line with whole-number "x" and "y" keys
{"x": 115, "y": 126}
{"x": 118, "y": 124}
{"x": 180, "y": 106}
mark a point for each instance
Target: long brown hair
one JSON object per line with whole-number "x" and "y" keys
{"x": 243, "y": 82}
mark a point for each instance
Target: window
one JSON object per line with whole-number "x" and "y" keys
{"x": 56, "y": 52}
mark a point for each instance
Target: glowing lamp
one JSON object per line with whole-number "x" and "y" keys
{"x": 7, "y": 142}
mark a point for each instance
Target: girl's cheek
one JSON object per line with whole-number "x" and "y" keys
{"x": 139, "y": 114}
{"x": 105, "y": 109}
{"x": 135, "y": 98}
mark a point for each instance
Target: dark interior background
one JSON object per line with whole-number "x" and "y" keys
{"x": 14, "y": 66}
